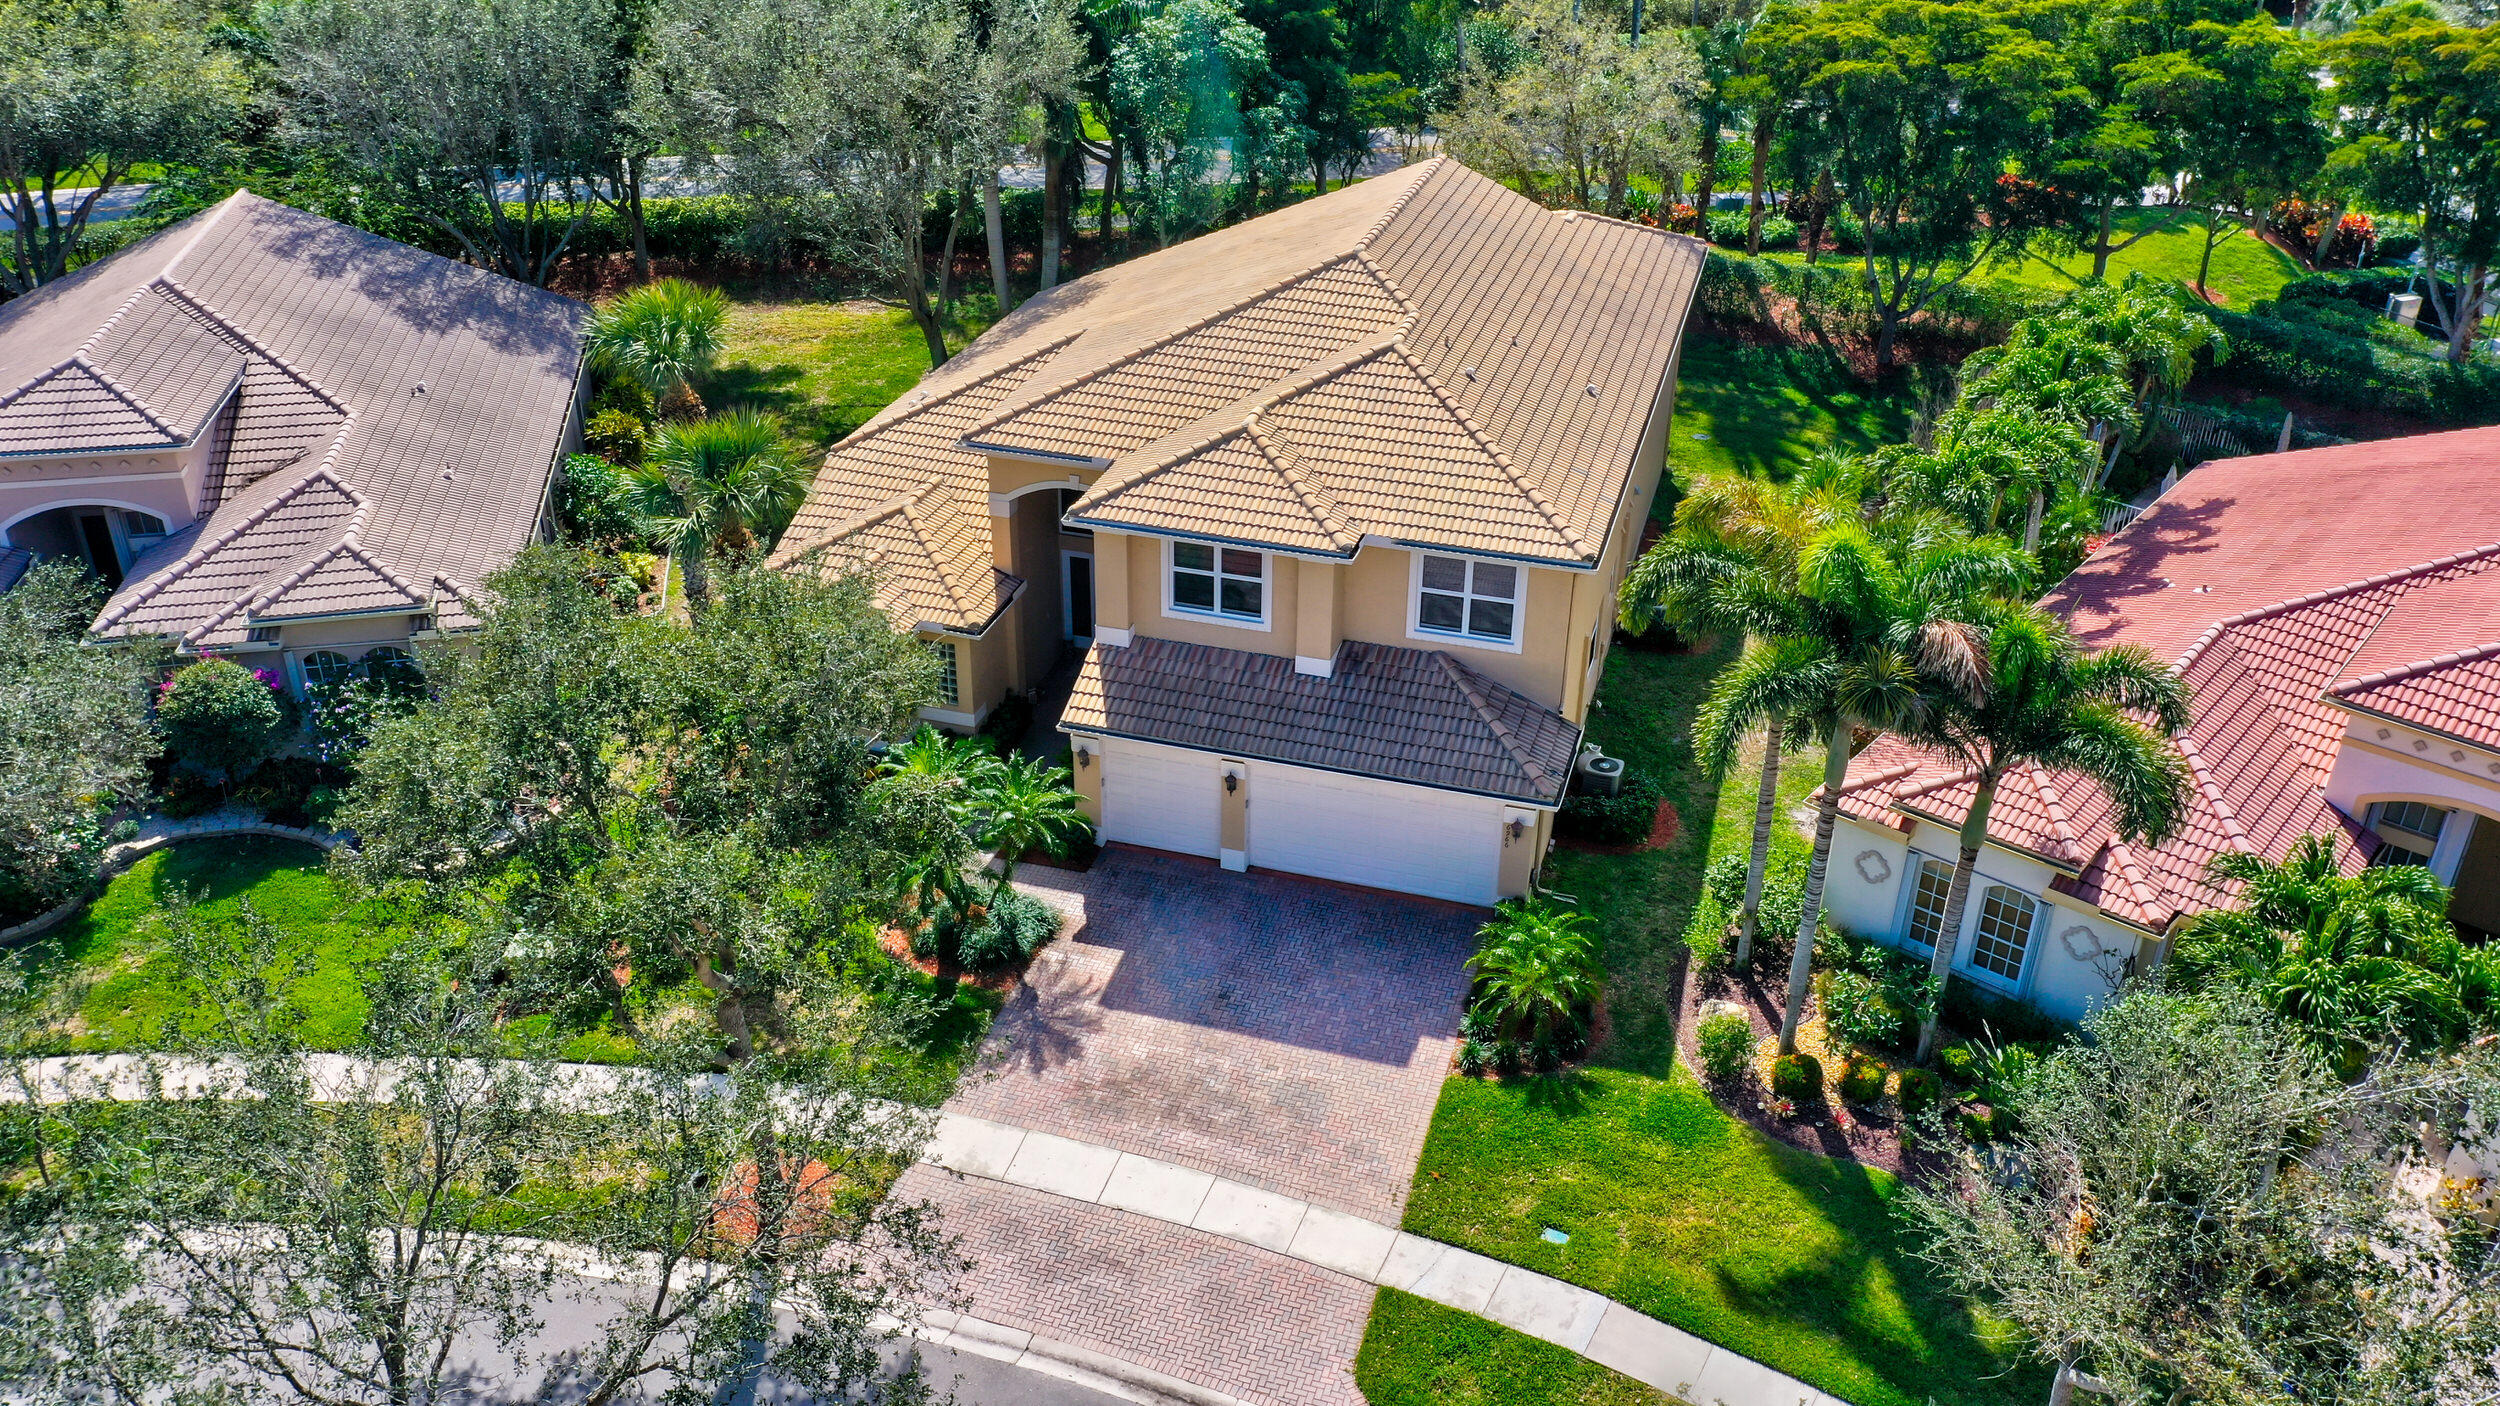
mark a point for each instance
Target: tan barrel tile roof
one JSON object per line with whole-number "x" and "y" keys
{"x": 325, "y": 367}
{"x": 1425, "y": 356}
{"x": 1411, "y": 715}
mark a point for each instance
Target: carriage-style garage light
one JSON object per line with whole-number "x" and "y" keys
{"x": 1232, "y": 783}
{"x": 1084, "y": 759}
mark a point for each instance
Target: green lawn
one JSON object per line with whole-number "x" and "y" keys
{"x": 825, "y": 367}
{"x": 1763, "y": 411}
{"x": 1418, "y": 1353}
{"x": 1672, "y": 1206}
{"x": 2245, "y": 268}
{"x": 109, "y": 983}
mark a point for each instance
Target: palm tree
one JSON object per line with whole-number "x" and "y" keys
{"x": 1880, "y": 641}
{"x": 1029, "y": 804}
{"x": 2049, "y": 703}
{"x": 1537, "y": 969}
{"x": 945, "y": 906}
{"x": 664, "y": 335}
{"x": 724, "y": 482}
{"x": 1731, "y": 566}
{"x": 2343, "y": 957}
{"x": 966, "y": 765}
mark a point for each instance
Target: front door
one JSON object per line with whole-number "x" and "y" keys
{"x": 97, "y": 533}
{"x": 1078, "y": 574}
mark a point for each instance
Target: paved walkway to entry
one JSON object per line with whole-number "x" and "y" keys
{"x": 1288, "y": 1034}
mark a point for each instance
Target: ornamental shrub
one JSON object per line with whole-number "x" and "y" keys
{"x": 594, "y": 504}
{"x": 1959, "y": 1063}
{"x": 1705, "y": 936}
{"x": 1623, "y": 818}
{"x": 1860, "y": 1011}
{"x": 223, "y": 719}
{"x": 1797, "y": 1076}
{"x": 1014, "y": 928}
{"x": 1726, "y": 1042}
{"x": 1919, "y": 1091}
{"x": 1862, "y": 1081}
{"x": 615, "y": 436}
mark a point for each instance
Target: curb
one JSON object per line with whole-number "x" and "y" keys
{"x": 128, "y": 852}
{"x": 1079, "y": 1366}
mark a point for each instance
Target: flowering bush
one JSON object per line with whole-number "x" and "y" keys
{"x": 223, "y": 719}
{"x": 343, "y": 715}
{"x": 1780, "y": 1107}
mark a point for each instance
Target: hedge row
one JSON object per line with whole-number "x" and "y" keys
{"x": 1737, "y": 289}
{"x": 2356, "y": 373}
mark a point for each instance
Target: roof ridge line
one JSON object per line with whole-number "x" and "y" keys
{"x": 876, "y": 426}
{"x": 1878, "y": 777}
{"x": 209, "y": 310}
{"x": 2232, "y": 829}
{"x": 1287, "y": 459}
{"x": 1005, "y": 413}
{"x": 98, "y": 335}
{"x": 1265, "y": 397}
{"x": 349, "y": 541}
{"x": 844, "y": 527}
{"x": 183, "y": 565}
{"x": 2122, "y": 855}
{"x": 1961, "y": 772}
{"x": 2054, "y": 802}
{"x": 10, "y": 398}
{"x": 2418, "y": 666}
{"x": 2256, "y": 613}
{"x": 216, "y": 213}
{"x": 1396, "y": 289}
{"x": 929, "y": 546}
{"x": 1425, "y": 171}
{"x": 128, "y": 396}
{"x": 1502, "y": 733}
{"x": 1501, "y": 457}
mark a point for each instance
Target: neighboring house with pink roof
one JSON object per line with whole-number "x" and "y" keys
{"x": 1331, "y": 505}
{"x": 281, "y": 439}
{"x": 2337, "y": 614}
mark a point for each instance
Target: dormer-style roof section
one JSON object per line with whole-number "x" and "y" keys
{"x": 2290, "y": 589}
{"x": 378, "y": 420}
{"x": 1425, "y": 356}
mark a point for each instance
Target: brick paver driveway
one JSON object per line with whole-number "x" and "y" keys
{"x": 1285, "y": 1033}
{"x": 1281, "y": 1032}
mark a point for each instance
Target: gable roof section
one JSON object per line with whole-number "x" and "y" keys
{"x": 2271, "y": 680}
{"x": 1410, "y": 715}
{"x": 1425, "y": 356}
{"x": 323, "y": 366}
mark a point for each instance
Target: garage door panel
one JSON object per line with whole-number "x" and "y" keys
{"x": 1409, "y": 838}
{"x": 1160, "y": 797}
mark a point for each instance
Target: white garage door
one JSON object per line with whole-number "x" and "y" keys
{"x": 1409, "y": 838}
{"x": 1160, "y": 797}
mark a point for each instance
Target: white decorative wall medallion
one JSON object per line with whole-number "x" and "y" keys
{"x": 2081, "y": 943}
{"x": 2384, "y": 734}
{"x": 1872, "y": 866}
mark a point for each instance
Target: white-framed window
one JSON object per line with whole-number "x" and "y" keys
{"x": 950, "y": 680}
{"x": 324, "y": 668}
{"x": 2414, "y": 816}
{"x": 2392, "y": 853}
{"x": 2006, "y": 918}
{"x": 1466, "y": 599}
{"x": 1217, "y": 583}
{"x": 1931, "y": 881}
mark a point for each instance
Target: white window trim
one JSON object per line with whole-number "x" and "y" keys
{"x": 1967, "y": 953}
{"x": 1415, "y": 604}
{"x": 1267, "y": 589}
{"x": 1906, "y": 902}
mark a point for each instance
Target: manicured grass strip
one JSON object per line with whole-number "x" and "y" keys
{"x": 1762, "y": 411}
{"x": 1419, "y": 1353}
{"x": 115, "y": 985}
{"x": 2245, "y": 268}
{"x": 1694, "y": 1218}
{"x": 823, "y": 367}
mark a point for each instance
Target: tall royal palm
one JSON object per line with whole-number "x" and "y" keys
{"x": 665, "y": 335}
{"x": 2049, "y": 703}
{"x": 1881, "y": 642}
{"x": 724, "y": 482}
{"x": 1730, "y": 566}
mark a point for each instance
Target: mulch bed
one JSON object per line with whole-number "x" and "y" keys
{"x": 1663, "y": 828}
{"x": 1868, "y": 1136}
{"x": 897, "y": 944}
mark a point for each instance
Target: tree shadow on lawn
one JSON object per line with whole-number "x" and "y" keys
{"x": 1930, "y": 1339}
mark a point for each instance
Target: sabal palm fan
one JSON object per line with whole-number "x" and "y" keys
{"x": 2049, "y": 703}
{"x": 664, "y": 335}
{"x": 1028, "y": 804}
{"x": 967, "y": 766}
{"x": 1537, "y": 968}
{"x": 1730, "y": 566}
{"x": 1882, "y": 640}
{"x": 724, "y": 482}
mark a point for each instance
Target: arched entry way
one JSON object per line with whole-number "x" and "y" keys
{"x": 2458, "y": 842}
{"x": 106, "y": 537}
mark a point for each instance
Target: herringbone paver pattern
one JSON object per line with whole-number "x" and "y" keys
{"x": 1285, "y": 1033}
{"x": 1208, "y": 1310}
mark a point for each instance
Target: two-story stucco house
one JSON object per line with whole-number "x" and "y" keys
{"x": 2336, "y": 613}
{"x": 1335, "y": 502}
{"x": 281, "y": 439}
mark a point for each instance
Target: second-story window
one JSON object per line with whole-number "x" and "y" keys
{"x": 1477, "y": 600}
{"x": 1230, "y": 582}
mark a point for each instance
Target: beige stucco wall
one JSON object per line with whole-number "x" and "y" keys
{"x": 1148, "y": 588}
{"x": 1377, "y": 607}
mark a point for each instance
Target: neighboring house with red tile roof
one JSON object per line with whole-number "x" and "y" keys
{"x": 1334, "y": 502}
{"x": 281, "y": 439}
{"x": 2336, "y": 613}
